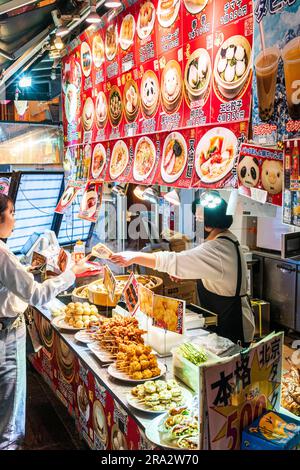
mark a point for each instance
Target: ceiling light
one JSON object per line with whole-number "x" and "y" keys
{"x": 62, "y": 31}
{"x": 172, "y": 197}
{"x": 139, "y": 191}
{"x": 93, "y": 17}
{"x": 58, "y": 43}
{"x": 151, "y": 195}
{"x": 25, "y": 82}
{"x": 112, "y": 4}
{"x": 210, "y": 199}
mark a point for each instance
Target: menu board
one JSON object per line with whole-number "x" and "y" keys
{"x": 276, "y": 81}
{"x": 260, "y": 173}
{"x": 291, "y": 193}
{"x": 154, "y": 77}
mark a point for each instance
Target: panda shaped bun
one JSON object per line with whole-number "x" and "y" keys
{"x": 248, "y": 171}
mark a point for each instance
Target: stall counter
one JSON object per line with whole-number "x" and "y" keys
{"x": 95, "y": 399}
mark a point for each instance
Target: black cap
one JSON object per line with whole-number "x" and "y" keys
{"x": 216, "y": 217}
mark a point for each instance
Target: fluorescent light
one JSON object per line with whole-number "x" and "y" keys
{"x": 210, "y": 199}
{"x": 172, "y": 197}
{"x": 112, "y": 4}
{"x": 93, "y": 17}
{"x": 139, "y": 192}
{"x": 25, "y": 82}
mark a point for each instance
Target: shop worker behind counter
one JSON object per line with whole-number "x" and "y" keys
{"x": 220, "y": 268}
{"x": 17, "y": 290}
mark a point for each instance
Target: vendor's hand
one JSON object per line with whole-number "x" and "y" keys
{"x": 122, "y": 259}
{"x": 80, "y": 267}
{"x": 175, "y": 279}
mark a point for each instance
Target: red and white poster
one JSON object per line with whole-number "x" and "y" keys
{"x": 171, "y": 88}
{"x": 91, "y": 201}
{"x": 175, "y": 167}
{"x": 232, "y": 71}
{"x": 260, "y": 173}
{"x": 145, "y": 160}
{"x": 119, "y": 167}
{"x": 127, "y": 35}
{"x": 68, "y": 196}
{"x": 216, "y": 155}
{"x": 100, "y": 155}
{"x": 114, "y": 94}
{"x": 146, "y": 25}
{"x": 169, "y": 25}
{"x": 131, "y": 102}
{"x": 168, "y": 314}
{"x": 197, "y": 19}
{"x": 101, "y": 128}
{"x": 197, "y": 72}
{"x": 112, "y": 49}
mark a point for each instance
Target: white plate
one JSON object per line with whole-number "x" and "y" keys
{"x": 143, "y": 33}
{"x": 153, "y": 434}
{"x": 102, "y": 355}
{"x": 194, "y": 9}
{"x": 203, "y": 145}
{"x": 116, "y": 374}
{"x": 137, "y": 176}
{"x": 119, "y": 143}
{"x": 83, "y": 337}
{"x": 60, "y": 323}
{"x": 98, "y": 61}
{"x": 86, "y": 412}
{"x": 110, "y": 56}
{"x": 168, "y": 23}
{"x": 172, "y": 178}
{"x": 135, "y": 403}
{"x": 125, "y": 43}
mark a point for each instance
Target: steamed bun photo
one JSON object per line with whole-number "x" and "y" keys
{"x": 248, "y": 171}
{"x": 272, "y": 176}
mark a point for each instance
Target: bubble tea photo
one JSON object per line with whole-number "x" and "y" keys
{"x": 291, "y": 62}
{"x": 266, "y": 66}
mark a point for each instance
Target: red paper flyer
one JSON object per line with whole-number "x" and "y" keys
{"x": 131, "y": 102}
{"x": 168, "y": 313}
{"x": 146, "y": 25}
{"x": 197, "y": 70}
{"x": 91, "y": 201}
{"x": 115, "y": 108}
{"x": 121, "y": 160}
{"x": 71, "y": 97}
{"x": 216, "y": 155}
{"x": 145, "y": 160}
{"x": 68, "y": 196}
{"x": 127, "y": 37}
{"x": 111, "y": 48}
{"x": 149, "y": 97}
{"x": 227, "y": 12}
{"x": 232, "y": 72}
{"x": 169, "y": 25}
{"x": 175, "y": 167}
{"x": 261, "y": 169}
{"x": 171, "y": 86}
{"x": 131, "y": 294}
{"x": 197, "y": 19}
{"x": 99, "y": 160}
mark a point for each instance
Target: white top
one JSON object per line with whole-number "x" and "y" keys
{"x": 215, "y": 263}
{"x": 18, "y": 287}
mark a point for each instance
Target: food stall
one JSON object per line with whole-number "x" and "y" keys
{"x": 158, "y": 101}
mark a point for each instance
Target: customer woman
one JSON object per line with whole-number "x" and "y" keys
{"x": 17, "y": 290}
{"x": 220, "y": 268}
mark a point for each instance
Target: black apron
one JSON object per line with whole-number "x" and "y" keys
{"x": 228, "y": 309}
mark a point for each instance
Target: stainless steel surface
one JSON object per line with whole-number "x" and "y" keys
{"x": 280, "y": 290}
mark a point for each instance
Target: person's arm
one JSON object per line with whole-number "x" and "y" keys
{"x": 21, "y": 283}
{"x": 202, "y": 262}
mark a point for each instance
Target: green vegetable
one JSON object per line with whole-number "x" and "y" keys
{"x": 192, "y": 354}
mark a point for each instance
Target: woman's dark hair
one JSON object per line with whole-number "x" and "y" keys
{"x": 217, "y": 218}
{"x": 4, "y": 201}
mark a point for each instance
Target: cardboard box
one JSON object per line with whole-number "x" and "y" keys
{"x": 185, "y": 290}
{"x": 272, "y": 431}
{"x": 261, "y": 310}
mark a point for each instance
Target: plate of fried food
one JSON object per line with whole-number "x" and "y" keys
{"x": 158, "y": 396}
{"x": 77, "y": 316}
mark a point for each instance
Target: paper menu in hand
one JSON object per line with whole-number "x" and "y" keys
{"x": 101, "y": 251}
{"x": 110, "y": 282}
